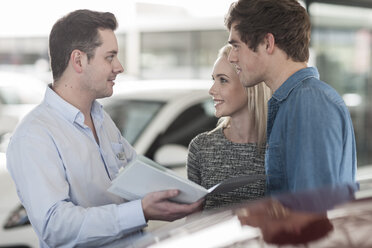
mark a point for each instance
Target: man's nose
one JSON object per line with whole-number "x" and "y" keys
{"x": 232, "y": 56}
{"x": 118, "y": 68}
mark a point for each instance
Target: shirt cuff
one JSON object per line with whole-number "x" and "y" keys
{"x": 131, "y": 215}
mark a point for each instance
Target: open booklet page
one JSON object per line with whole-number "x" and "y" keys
{"x": 142, "y": 176}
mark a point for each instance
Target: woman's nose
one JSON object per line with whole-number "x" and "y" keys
{"x": 212, "y": 90}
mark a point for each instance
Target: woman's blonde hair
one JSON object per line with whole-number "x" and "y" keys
{"x": 258, "y": 96}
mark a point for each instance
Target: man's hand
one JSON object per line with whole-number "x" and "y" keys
{"x": 156, "y": 206}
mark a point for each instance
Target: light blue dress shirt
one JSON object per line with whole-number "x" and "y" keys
{"x": 310, "y": 136}
{"x": 62, "y": 176}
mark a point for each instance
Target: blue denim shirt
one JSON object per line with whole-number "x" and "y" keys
{"x": 310, "y": 136}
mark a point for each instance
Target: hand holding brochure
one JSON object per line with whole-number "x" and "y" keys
{"x": 142, "y": 176}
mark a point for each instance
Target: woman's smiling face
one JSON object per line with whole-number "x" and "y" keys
{"x": 229, "y": 95}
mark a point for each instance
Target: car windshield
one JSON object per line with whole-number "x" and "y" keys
{"x": 13, "y": 95}
{"x": 132, "y": 116}
{"x": 16, "y": 89}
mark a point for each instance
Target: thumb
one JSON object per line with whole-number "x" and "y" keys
{"x": 163, "y": 195}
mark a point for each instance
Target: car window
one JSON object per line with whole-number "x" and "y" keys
{"x": 195, "y": 119}
{"x": 18, "y": 88}
{"x": 132, "y": 116}
{"x": 21, "y": 95}
{"x": 9, "y": 95}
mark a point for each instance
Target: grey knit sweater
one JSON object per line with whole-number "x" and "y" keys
{"x": 213, "y": 158}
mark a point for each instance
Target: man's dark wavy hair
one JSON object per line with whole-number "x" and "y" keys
{"x": 77, "y": 30}
{"x": 287, "y": 20}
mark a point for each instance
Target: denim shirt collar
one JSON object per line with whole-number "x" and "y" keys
{"x": 293, "y": 81}
{"x": 68, "y": 111}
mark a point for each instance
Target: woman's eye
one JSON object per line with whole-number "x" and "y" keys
{"x": 223, "y": 80}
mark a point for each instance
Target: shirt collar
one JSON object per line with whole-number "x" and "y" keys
{"x": 68, "y": 111}
{"x": 97, "y": 112}
{"x": 293, "y": 81}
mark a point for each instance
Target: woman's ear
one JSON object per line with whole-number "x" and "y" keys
{"x": 269, "y": 42}
{"x": 76, "y": 59}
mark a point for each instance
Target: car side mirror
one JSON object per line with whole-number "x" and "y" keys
{"x": 171, "y": 155}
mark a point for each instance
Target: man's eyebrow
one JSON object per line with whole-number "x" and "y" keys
{"x": 113, "y": 52}
{"x": 231, "y": 42}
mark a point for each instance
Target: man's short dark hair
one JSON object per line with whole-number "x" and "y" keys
{"x": 287, "y": 20}
{"x": 76, "y": 30}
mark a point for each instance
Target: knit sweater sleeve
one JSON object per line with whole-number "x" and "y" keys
{"x": 193, "y": 161}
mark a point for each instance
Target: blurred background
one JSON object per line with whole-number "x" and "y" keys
{"x": 172, "y": 45}
{"x": 177, "y": 39}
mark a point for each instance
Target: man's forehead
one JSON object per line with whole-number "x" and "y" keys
{"x": 108, "y": 39}
{"x": 234, "y": 37}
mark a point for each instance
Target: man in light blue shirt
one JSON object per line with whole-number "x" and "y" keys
{"x": 310, "y": 136}
{"x": 65, "y": 153}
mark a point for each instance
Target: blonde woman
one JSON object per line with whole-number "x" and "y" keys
{"x": 237, "y": 146}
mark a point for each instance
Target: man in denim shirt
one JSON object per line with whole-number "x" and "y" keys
{"x": 310, "y": 136}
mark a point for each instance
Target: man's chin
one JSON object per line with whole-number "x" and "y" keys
{"x": 108, "y": 94}
{"x": 247, "y": 83}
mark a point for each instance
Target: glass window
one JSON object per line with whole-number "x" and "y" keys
{"x": 208, "y": 46}
{"x": 341, "y": 49}
{"x": 19, "y": 51}
{"x": 166, "y": 55}
{"x": 184, "y": 54}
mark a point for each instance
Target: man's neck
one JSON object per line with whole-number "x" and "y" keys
{"x": 74, "y": 95}
{"x": 279, "y": 68}
{"x": 283, "y": 72}
{"x": 79, "y": 99}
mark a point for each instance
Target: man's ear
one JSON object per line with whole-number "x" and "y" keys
{"x": 76, "y": 60}
{"x": 269, "y": 42}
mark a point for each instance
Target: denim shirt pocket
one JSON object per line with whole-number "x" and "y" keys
{"x": 276, "y": 179}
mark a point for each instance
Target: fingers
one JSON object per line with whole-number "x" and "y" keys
{"x": 156, "y": 206}
{"x": 165, "y": 195}
{"x": 185, "y": 208}
{"x": 198, "y": 206}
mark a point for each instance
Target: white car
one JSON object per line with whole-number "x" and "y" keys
{"x": 19, "y": 93}
{"x": 15, "y": 230}
{"x": 159, "y": 118}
